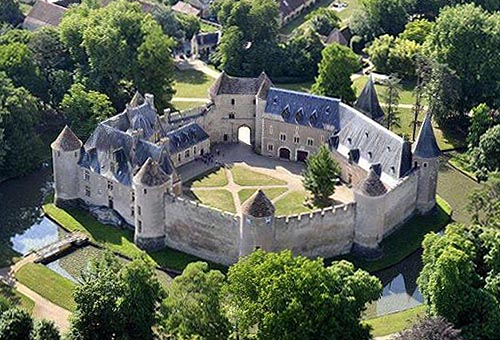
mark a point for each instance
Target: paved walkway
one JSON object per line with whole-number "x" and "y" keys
{"x": 44, "y": 309}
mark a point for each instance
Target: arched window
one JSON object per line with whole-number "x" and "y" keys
{"x": 233, "y": 101}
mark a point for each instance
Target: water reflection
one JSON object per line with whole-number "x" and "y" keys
{"x": 39, "y": 235}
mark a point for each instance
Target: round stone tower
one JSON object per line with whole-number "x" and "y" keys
{"x": 370, "y": 214}
{"x": 426, "y": 159}
{"x": 66, "y": 151}
{"x": 150, "y": 185}
{"x": 257, "y": 224}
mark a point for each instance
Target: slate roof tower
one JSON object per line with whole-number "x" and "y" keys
{"x": 368, "y": 103}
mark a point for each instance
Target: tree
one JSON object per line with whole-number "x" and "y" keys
{"x": 45, "y": 330}
{"x": 84, "y": 109}
{"x": 279, "y": 296}
{"x": 320, "y": 175}
{"x": 486, "y": 156}
{"x": 142, "y": 294}
{"x": 482, "y": 118}
{"x": 10, "y": 12}
{"x": 430, "y": 329}
{"x": 323, "y": 20}
{"x": 189, "y": 24}
{"x": 460, "y": 279}
{"x": 392, "y": 117}
{"x": 484, "y": 204}
{"x": 303, "y": 54}
{"x": 193, "y": 306}
{"x": 337, "y": 65}
{"x": 417, "y": 30}
{"x": 15, "y": 324}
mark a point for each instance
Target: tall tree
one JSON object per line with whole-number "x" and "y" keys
{"x": 323, "y": 20}
{"x": 279, "y": 296}
{"x": 482, "y": 118}
{"x": 320, "y": 175}
{"x": 15, "y": 324}
{"x": 10, "y": 12}
{"x": 334, "y": 79}
{"x": 486, "y": 157}
{"x": 193, "y": 306}
{"x": 484, "y": 204}
{"x": 392, "y": 116}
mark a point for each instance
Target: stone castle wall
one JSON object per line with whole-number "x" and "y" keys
{"x": 201, "y": 231}
{"x": 325, "y": 233}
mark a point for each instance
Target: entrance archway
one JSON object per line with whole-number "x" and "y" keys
{"x": 245, "y": 135}
{"x": 302, "y": 156}
{"x": 284, "y": 153}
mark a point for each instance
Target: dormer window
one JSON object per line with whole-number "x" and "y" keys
{"x": 285, "y": 111}
{"x": 314, "y": 117}
{"x": 275, "y": 99}
{"x": 299, "y": 115}
{"x": 327, "y": 110}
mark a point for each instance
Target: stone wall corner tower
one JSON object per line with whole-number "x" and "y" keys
{"x": 426, "y": 158}
{"x": 66, "y": 150}
{"x": 257, "y": 224}
{"x": 150, "y": 185}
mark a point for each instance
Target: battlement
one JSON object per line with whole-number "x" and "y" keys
{"x": 189, "y": 202}
{"x": 317, "y": 214}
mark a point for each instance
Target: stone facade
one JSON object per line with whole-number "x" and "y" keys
{"x": 129, "y": 165}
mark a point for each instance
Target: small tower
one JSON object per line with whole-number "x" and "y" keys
{"x": 426, "y": 158}
{"x": 150, "y": 185}
{"x": 65, "y": 156}
{"x": 257, "y": 224}
{"x": 368, "y": 103}
{"x": 370, "y": 214}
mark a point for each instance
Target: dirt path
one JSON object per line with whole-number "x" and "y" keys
{"x": 44, "y": 309}
{"x": 199, "y": 66}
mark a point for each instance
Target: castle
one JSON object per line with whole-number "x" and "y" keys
{"x": 130, "y": 164}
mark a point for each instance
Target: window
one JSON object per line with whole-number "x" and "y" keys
{"x": 388, "y": 149}
{"x": 139, "y": 225}
{"x": 139, "y": 210}
{"x": 282, "y": 137}
{"x": 194, "y": 150}
{"x": 87, "y": 191}
{"x": 179, "y": 157}
{"x": 110, "y": 202}
{"x": 270, "y": 147}
{"x": 132, "y": 211}
{"x": 133, "y": 196}
{"x": 58, "y": 153}
{"x": 86, "y": 176}
{"x": 226, "y": 137}
{"x": 393, "y": 170}
{"x": 349, "y": 140}
{"x": 254, "y": 102}
{"x": 310, "y": 142}
{"x": 233, "y": 101}
{"x": 370, "y": 155}
{"x": 110, "y": 186}
{"x": 145, "y": 191}
{"x": 231, "y": 116}
{"x": 296, "y": 139}
{"x": 270, "y": 129}
{"x": 425, "y": 165}
{"x": 186, "y": 154}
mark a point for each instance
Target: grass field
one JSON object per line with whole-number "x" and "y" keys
{"x": 271, "y": 193}
{"x": 393, "y": 323}
{"x": 406, "y": 96}
{"x": 20, "y": 300}
{"x": 191, "y": 84}
{"x": 292, "y": 203}
{"x": 245, "y": 177}
{"x": 212, "y": 179}
{"x": 407, "y": 239}
{"x": 48, "y": 284}
{"x": 220, "y": 199}
{"x": 181, "y": 106}
{"x": 208, "y": 28}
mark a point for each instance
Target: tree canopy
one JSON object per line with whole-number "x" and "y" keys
{"x": 10, "y": 12}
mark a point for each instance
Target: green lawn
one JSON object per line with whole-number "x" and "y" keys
{"x": 208, "y": 28}
{"x": 245, "y": 177}
{"x": 117, "y": 240}
{"x": 215, "y": 178}
{"x": 192, "y": 84}
{"x": 48, "y": 284}
{"x": 181, "y": 106}
{"x": 221, "y": 199}
{"x": 292, "y": 203}
{"x": 406, "y": 96}
{"x": 396, "y": 322}
{"x": 345, "y": 15}
{"x": 271, "y": 193}
{"x": 20, "y": 300}
{"x": 407, "y": 239}
{"x": 462, "y": 162}
{"x": 298, "y": 21}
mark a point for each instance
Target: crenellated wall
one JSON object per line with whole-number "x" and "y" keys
{"x": 201, "y": 231}
{"x": 326, "y": 233}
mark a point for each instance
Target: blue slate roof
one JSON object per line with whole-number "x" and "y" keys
{"x": 426, "y": 145}
{"x": 303, "y": 109}
{"x": 210, "y": 38}
{"x": 185, "y": 137}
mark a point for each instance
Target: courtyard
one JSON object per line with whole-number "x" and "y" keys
{"x": 236, "y": 173}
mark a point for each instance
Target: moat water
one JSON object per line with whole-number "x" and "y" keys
{"x": 23, "y": 228}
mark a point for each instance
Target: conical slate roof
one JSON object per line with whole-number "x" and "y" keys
{"x": 372, "y": 185}
{"x": 426, "y": 146}
{"x": 67, "y": 141}
{"x": 151, "y": 174}
{"x": 137, "y": 99}
{"x": 367, "y": 101}
{"x": 258, "y": 205}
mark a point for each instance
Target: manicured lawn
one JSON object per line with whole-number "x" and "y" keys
{"x": 393, "y": 323}
{"x": 271, "y": 193}
{"x": 208, "y": 28}
{"x": 345, "y": 15}
{"x": 19, "y": 299}
{"x": 220, "y": 199}
{"x": 245, "y": 177}
{"x": 120, "y": 241}
{"x": 48, "y": 284}
{"x": 292, "y": 203}
{"x": 406, "y": 96}
{"x": 212, "y": 179}
{"x": 192, "y": 84}
{"x": 407, "y": 239}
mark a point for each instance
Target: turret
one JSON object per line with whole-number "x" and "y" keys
{"x": 257, "y": 224}
{"x": 66, "y": 151}
{"x": 426, "y": 159}
{"x": 150, "y": 185}
{"x": 370, "y": 214}
{"x": 368, "y": 103}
